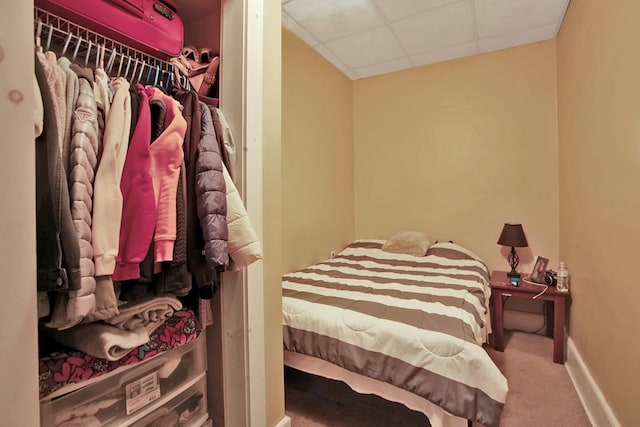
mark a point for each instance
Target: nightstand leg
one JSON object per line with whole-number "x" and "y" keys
{"x": 558, "y": 329}
{"x": 498, "y": 320}
{"x": 548, "y": 312}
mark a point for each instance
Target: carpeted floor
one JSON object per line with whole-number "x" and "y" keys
{"x": 540, "y": 394}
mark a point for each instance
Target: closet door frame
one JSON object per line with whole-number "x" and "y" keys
{"x": 19, "y": 404}
{"x": 242, "y": 296}
{"x": 253, "y": 172}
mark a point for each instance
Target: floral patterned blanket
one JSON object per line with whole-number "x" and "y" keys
{"x": 69, "y": 366}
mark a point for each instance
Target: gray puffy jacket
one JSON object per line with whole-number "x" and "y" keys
{"x": 72, "y": 307}
{"x": 211, "y": 196}
{"x": 83, "y": 162}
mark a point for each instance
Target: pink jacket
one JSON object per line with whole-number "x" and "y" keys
{"x": 166, "y": 158}
{"x": 139, "y": 212}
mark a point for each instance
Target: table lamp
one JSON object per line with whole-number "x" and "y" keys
{"x": 513, "y": 235}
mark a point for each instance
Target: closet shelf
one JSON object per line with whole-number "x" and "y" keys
{"x": 70, "y": 38}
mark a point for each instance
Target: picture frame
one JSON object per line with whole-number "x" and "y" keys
{"x": 540, "y": 266}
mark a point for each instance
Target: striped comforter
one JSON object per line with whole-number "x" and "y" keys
{"x": 415, "y": 322}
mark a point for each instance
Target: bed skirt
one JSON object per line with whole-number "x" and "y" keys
{"x": 437, "y": 416}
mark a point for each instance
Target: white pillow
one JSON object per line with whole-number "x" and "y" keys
{"x": 409, "y": 242}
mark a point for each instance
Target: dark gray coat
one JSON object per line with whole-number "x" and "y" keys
{"x": 58, "y": 253}
{"x": 211, "y": 199}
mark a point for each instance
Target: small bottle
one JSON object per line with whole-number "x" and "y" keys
{"x": 563, "y": 278}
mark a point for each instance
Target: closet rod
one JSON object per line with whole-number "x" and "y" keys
{"x": 81, "y": 43}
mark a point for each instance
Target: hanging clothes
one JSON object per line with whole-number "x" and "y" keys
{"x": 226, "y": 142}
{"x": 211, "y": 200}
{"x": 107, "y": 204}
{"x": 103, "y": 97}
{"x": 166, "y": 158}
{"x": 175, "y": 277}
{"x": 58, "y": 254}
{"x": 72, "y": 307}
{"x": 57, "y": 81}
{"x": 139, "y": 212}
{"x": 107, "y": 200}
{"x": 204, "y": 277}
{"x": 38, "y": 111}
{"x": 134, "y": 289}
{"x": 71, "y": 91}
{"x": 135, "y": 109}
{"x": 244, "y": 247}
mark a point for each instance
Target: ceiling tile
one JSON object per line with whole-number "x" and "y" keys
{"x": 366, "y": 48}
{"x": 496, "y": 17}
{"x": 329, "y": 56}
{"x": 458, "y": 51}
{"x": 290, "y": 24}
{"x": 439, "y": 28}
{"x": 396, "y": 9}
{"x": 363, "y": 38}
{"x": 328, "y": 20}
{"x": 384, "y": 67}
{"x": 518, "y": 38}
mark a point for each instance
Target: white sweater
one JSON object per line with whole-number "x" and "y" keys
{"x": 107, "y": 198}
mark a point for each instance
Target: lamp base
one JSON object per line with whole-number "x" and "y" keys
{"x": 514, "y": 260}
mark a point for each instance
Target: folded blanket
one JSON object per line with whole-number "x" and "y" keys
{"x": 148, "y": 313}
{"x": 100, "y": 340}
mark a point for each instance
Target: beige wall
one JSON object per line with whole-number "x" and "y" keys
{"x": 272, "y": 212}
{"x": 457, "y": 149}
{"x": 599, "y": 138}
{"x": 317, "y": 156}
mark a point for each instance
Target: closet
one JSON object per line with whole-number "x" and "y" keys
{"x": 238, "y": 354}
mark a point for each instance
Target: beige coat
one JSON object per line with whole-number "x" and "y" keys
{"x": 244, "y": 247}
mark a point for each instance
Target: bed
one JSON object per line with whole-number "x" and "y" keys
{"x": 407, "y": 328}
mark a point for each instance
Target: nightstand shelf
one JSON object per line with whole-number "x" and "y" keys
{"x": 501, "y": 288}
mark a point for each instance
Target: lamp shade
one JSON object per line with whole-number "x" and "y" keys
{"x": 513, "y": 235}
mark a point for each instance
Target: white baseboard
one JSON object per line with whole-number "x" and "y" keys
{"x": 285, "y": 422}
{"x": 593, "y": 401}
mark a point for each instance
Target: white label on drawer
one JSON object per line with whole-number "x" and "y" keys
{"x": 142, "y": 392}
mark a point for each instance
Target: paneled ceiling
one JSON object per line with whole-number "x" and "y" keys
{"x": 365, "y": 38}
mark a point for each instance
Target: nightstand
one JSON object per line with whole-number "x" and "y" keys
{"x": 502, "y": 288}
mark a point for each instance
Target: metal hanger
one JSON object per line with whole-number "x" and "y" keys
{"x": 133, "y": 72}
{"x": 126, "y": 71}
{"x": 169, "y": 79}
{"x": 75, "y": 52}
{"x": 148, "y": 81}
{"x": 120, "y": 64}
{"x": 141, "y": 70}
{"x": 100, "y": 57}
{"x": 66, "y": 44}
{"x": 38, "y": 33}
{"x": 86, "y": 58}
{"x": 155, "y": 80}
{"x": 112, "y": 60}
{"x": 48, "y": 46}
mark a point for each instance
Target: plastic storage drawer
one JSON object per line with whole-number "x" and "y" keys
{"x": 120, "y": 398}
{"x": 187, "y": 409}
